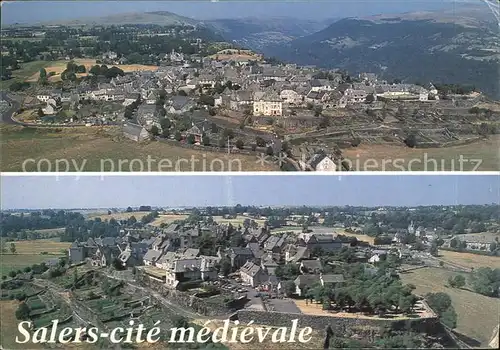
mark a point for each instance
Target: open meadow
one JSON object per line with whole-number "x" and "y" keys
{"x": 101, "y": 149}
{"x": 57, "y": 67}
{"x": 118, "y": 216}
{"x": 26, "y": 72}
{"x": 168, "y": 218}
{"x": 469, "y": 260}
{"x": 477, "y": 315}
{"x": 31, "y": 252}
{"x": 237, "y": 221}
{"x": 391, "y": 158}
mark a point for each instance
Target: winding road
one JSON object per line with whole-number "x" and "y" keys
{"x": 9, "y": 112}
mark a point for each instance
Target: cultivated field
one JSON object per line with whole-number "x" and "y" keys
{"x": 359, "y": 237}
{"x": 168, "y": 218}
{"x": 470, "y": 260}
{"x": 477, "y": 314}
{"x": 447, "y": 158}
{"x": 118, "y": 216}
{"x": 235, "y": 222}
{"x": 482, "y": 237}
{"x": 30, "y": 252}
{"x": 101, "y": 149}
{"x": 59, "y": 66}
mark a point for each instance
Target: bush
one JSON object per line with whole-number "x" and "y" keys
{"x": 22, "y": 312}
{"x": 411, "y": 141}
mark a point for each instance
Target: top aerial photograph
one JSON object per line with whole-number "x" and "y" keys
{"x": 328, "y": 86}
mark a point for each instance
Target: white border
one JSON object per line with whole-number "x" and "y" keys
{"x": 255, "y": 173}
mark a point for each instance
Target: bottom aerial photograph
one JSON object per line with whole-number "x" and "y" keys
{"x": 249, "y": 261}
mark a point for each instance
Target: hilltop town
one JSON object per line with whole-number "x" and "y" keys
{"x": 192, "y": 91}
{"x": 357, "y": 270}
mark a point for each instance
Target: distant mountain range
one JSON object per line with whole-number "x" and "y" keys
{"x": 459, "y": 45}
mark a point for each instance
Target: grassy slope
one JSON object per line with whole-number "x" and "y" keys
{"x": 477, "y": 314}
{"x": 96, "y": 145}
{"x": 487, "y": 151}
{"x": 27, "y": 70}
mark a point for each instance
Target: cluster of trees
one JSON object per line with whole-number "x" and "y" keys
{"x": 377, "y": 293}
{"x": 126, "y": 41}
{"x": 486, "y": 281}
{"x": 457, "y": 281}
{"x": 103, "y": 70}
{"x": 441, "y": 304}
{"x": 82, "y": 229}
{"x": 37, "y": 220}
{"x": 146, "y": 219}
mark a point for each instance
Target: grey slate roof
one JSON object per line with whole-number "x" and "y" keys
{"x": 250, "y": 269}
{"x": 333, "y": 278}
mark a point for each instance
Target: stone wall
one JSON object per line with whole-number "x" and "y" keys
{"x": 200, "y": 305}
{"x": 344, "y": 326}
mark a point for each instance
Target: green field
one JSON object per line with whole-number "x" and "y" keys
{"x": 102, "y": 148}
{"x": 477, "y": 314}
{"x": 27, "y": 70}
{"x": 30, "y": 252}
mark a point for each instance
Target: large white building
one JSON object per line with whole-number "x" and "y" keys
{"x": 268, "y": 105}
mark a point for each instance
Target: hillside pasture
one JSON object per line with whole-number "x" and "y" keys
{"x": 469, "y": 260}
{"x": 477, "y": 315}
{"x": 101, "y": 149}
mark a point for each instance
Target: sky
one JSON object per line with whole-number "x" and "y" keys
{"x": 40, "y": 11}
{"x": 111, "y": 191}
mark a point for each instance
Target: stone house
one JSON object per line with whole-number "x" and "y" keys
{"x": 290, "y": 96}
{"x": 135, "y": 132}
{"x": 270, "y": 104}
{"x": 252, "y": 274}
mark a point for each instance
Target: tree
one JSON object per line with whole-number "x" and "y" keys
{"x": 434, "y": 249}
{"x": 13, "y": 248}
{"x": 23, "y": 312}
{"x": 40, "y": 113}
{"x": 43, "y": 76}
{"x": 178, "y": 136}
{"x": 190, "y": 139}
{"x": 225, "y": 267}
{"x": 449, "y": 317}
{"x": 205, "y": 140}
{"x": 441, "y": 304}
{"x": 269, "y": 151}
{"x": 228, "y": 134}
{"x": 155, "y": 131}
{"x": 456, "y": 282}
{"x": 260, "y": 141}
{"x": 411, "y": 141}
{"x": 369, "y": 98}
{"x": 239, "y": 144}
{"x": 117, "y": 264}
{"x": 289, "y": 288}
